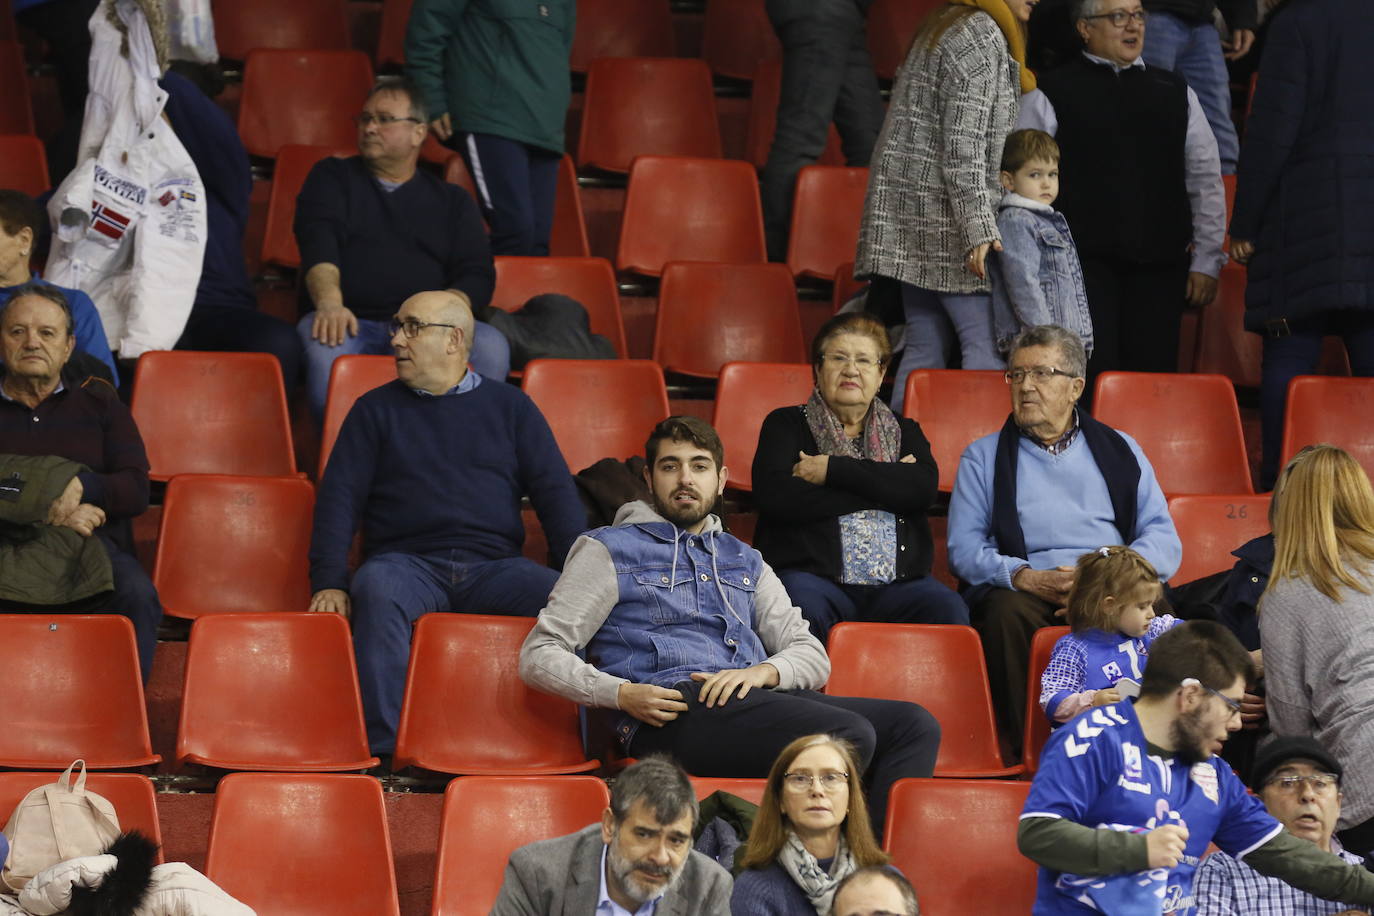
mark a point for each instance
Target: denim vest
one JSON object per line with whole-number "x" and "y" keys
{"x": 1036, "y": 277}
{"x": 686, "y": 604}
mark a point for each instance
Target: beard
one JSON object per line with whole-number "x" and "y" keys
{"x": 1189, "y": 737}
{"x": 684, "y": 517}
{"x": 623, "y": 871}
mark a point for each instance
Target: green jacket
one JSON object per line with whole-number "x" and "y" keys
{"x": 42, "y": 564}
{"x": 497, "y": 67}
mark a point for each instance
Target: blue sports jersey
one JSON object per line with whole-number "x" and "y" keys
{"x": 1095, "y": 659}
{"x": 1097, "y": 771}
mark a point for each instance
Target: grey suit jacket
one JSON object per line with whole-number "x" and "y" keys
{"x": 561, "y": 877}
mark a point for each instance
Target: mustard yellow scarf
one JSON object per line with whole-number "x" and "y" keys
{"x": 1011, "y": 30}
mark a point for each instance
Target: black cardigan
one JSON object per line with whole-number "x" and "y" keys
{"x": 799, "y": 524}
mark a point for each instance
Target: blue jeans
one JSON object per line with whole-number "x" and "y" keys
{"x": 934, "y": 322}
{"x": 1193, "y": 51}
{"x": 490, "y": 355}
{"x": 825, "y": 602}
{"x": 391, "y": 591}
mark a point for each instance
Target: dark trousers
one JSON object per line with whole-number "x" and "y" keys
{"x": 62, "y": 25}
{"x": 1136, "y": 310}
{"x": 1296, "y": 354}
{"x": 825, "y": 602}
{"x": 1358, "y": 839}
{"x": 227, "y": 328}
{"x": 516, "y": 187}
{"x": 827, "y": 75}
{"x": 892, "y": 739}
{"x": 1006, "y": 622}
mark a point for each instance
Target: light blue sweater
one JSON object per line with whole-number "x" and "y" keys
{"x": 1064, "y": 508}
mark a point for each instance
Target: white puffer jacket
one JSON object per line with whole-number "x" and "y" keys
{"x": 176, "y": 889}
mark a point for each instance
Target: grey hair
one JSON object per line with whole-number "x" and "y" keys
{"x": 405, "y": 86}
{"x": 1052, "y": 335}
{"x": 886, "y": 872}
{"x": 661, "y": 784}
{"x": 43, "y": 291}
{"x": 1082, "y": 9}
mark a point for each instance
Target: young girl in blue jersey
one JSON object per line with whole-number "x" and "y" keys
{"x": 1111, "y": 613}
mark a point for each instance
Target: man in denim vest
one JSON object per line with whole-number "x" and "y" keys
{"x": 687, "y": 631}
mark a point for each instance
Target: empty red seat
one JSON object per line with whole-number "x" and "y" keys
{"x": 500, "y": 726}
{"x": 1210, "y": 527}
{"x": 272, "y": 692}
{"x": 750, "y": 309}
{"x": 244, "y": 25}
{"x": 955, "y": 407}
{"x": 891, "y": 26}
{"x": 234, "y": 544}
{"x": 303, "y": 844}
{"x": 305, "y": 97}
{"x": 72, "y": 689}
{"x": 736, "y": 35}
{"x": 679, "y": 209}
{"x": 16, "y": 110}
{"x": 23, "y": 164}
{"x": 568, "y": 237}
{"x": 924, "y": 818}
{"x": 391, "y": 34}
{"x": 763, "y": 118}
{"x": 1037, "y": 724}
{"x": 1224, "y": 346}
{"x": 598, "y": 408}
{"x": 132, "y": 795}
{"x": 1188, "y": 426}
{"x": 591, "y": 281}
{"x": 951, "y": 681}
{"x": 747, "y": 789}
{"x": 350, "y": 377}
{"x": 647, "y": 106}
{"x": 827, "y": 207}
{"x": 1336, "y": 411}
{"x": 486, "y": 818}
{"x": 621, "y": 28}
{"x": 212, "y": 413}
{"x": 294, "y": 162}
{"x": 745, "y": 394}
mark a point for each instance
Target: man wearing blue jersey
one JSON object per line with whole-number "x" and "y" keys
{"x": 1128, "y": 796}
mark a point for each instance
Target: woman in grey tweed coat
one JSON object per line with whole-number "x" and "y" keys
{"x": 931, "y": 211}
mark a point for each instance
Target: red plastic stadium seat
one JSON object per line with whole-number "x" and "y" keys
{"x": 456, "y": 172}
{"x": 272, "y": 692}
{"x": 132, "y": 795}
{"x": 891, "y": 26}
{"x": 736, "y": 35}
{"x": 212, "y": 413}
{"x": 243, "y": 25}
{"x": 500, "y": 726}
{"x": 1224, "y": 346}
{"x": 72, "y": 689}
{"x": 486, "y": 818}
{"x": 1037, "y": 725}
{"x": 234, "y": 544}
{"x": 747, "y": 789}
{"x": 951, "y": 681}
{"x": 568, "y": 238}
{"x": 826, "y": 209}
{"x": 294, "y": 162}
{"x": 751, "y": 310}
{"x": 845, "y": 286}
{"x": 1210, "y": 527}
{"x": 955, "y": 407}
{"x": 1332, "y": 410}
{"x": 391, "y": 37}
{"x": 647, "y": 106}
{"x": 591, "y": 281}
{"x": 350, "y": 377}
{"x": 16, "y": 110}
{"x": 621, "y": 28}
{"x": 598, "y": 408}
{"x": 303, "y": 844}
{"x": 924, "y": 816}
{"x": 745, "y": 394}
{"x": 23, "y": 164}
{"x": 763, "y": 118}
{"x": 1187, "y": 425}
{"x": 306, "y": 97}
{"x": 680, "y": 209}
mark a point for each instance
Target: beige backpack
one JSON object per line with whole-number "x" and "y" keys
{"x": 56, "y": 822}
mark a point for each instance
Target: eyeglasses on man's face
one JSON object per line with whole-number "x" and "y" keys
{"x": 1119, "y": 18}
{"x": 839, "y": 361}
{"x": 367, "y": 119}
{"x": 830, "y": 780}
{"x": 1038, "y": 374}
{"x": 1232, "y": 705}
{"x": 1321, "y": 783}
{"x": 412, "y": 328}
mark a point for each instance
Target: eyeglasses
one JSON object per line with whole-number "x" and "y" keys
{"x": 1039, "y": 375}
{"x": 1322, "y": 783}
{"x": 367, "y": 119}
{"x": 1233, "y": 704}
{"x": 840, "y": 360}
{"x": 412, "y": 328}
{"x": 1119, "y": 18}
{"x": 830, "y": 780}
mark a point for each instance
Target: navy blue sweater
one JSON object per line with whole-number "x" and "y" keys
{"x": 390, "y": 245}
{"x": 426, "y": 474}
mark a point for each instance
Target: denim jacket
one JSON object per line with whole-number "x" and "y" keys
{"x": 651, "y": 603}
{"x": 1036, "y": 277}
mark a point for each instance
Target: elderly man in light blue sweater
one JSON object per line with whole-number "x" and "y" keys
{"x": 1029, "y": 500}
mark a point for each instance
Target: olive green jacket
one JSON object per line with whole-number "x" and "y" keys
{"x": 42, "y": 564}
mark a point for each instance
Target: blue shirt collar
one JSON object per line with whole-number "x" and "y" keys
{"x": 61, "y": 387}
{"x": 469, "y": 382}
{"x": 1139, "y": 62}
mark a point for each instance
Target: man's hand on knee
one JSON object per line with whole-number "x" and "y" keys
{"x": 719, "y": 687}
{"x": 656, "y": 706}
{"x": 1050, "y": 585}
{"x": 330, "y": 601}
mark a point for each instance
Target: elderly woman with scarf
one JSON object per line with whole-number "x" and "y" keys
{"x": 930, "y": 217}
{"x": 842, "y": 487}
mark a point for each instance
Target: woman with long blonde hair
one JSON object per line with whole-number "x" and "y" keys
{"x": 1317, "y": 621}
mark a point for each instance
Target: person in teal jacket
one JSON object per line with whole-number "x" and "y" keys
{"x": 494, "y": 74}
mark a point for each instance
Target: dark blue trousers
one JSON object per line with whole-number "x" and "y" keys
{"x": 516, "y": 185}
{"x": 825, "y": 602}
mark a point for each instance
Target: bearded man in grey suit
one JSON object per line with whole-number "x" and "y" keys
{"x": 638, "y": 861}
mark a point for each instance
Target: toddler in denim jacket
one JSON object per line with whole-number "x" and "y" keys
{"x": 1036, "y": 277}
